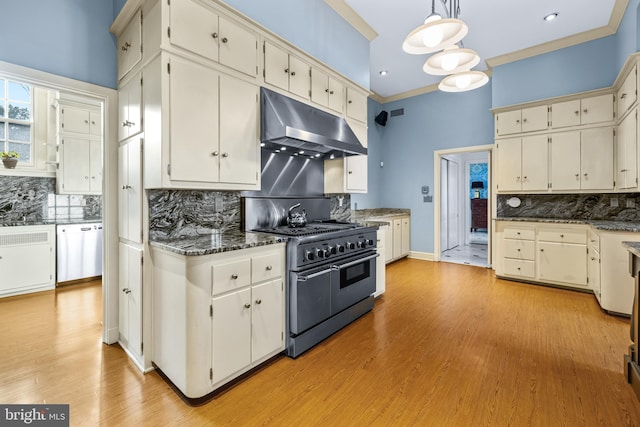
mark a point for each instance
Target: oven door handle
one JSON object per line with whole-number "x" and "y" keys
{"x": 311, "y": 276}
{"x": 358, "y": 261}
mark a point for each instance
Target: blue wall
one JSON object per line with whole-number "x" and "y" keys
{"x": 627, "y": 35}
{"x": 69, "y": 38}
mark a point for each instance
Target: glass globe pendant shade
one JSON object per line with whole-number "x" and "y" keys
{"x": 463, "y": 81}
{"x": 434, "y": 35}
{"x": 450, "y": 61}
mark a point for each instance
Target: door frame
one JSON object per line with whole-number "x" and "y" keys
{"x": 437, "y": 156}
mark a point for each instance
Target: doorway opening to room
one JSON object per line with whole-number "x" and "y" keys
{"x": 462, "y": 206}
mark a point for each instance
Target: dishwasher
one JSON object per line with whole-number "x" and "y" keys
{"x": 79, "y": 251}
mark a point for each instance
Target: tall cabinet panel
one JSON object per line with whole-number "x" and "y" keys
{"x": 130, "y": 190}
{"x": 130, "y": 287}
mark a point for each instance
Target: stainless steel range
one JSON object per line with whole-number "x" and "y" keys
{"x": 331, "y": 268}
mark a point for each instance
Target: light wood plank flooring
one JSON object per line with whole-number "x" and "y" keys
{"x": 447, "y": 345}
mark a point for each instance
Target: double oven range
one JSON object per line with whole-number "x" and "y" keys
{"x": 331, "y": 268}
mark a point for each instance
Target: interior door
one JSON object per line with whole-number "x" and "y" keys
{"x": 453, "y": 208}
{"x": 444, "y": 197}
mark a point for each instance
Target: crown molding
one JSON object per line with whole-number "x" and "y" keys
{"x": 350, "y": 15}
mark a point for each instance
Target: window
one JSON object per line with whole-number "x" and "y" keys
{"x": 16, "y": 118}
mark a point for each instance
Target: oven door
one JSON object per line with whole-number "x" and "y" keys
{"x": 309, "y": 298}
{"x": 352, "y": 280}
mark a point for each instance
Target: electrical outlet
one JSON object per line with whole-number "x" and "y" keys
{"x": 614, "y": 202}
{"x": 427, "y": 199}
{"x": 631, "y": 203}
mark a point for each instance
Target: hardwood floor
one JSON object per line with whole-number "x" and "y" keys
{"x": 447, "y": 345}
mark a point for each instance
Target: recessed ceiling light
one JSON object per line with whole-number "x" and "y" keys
{"x": 551, "y": 16}
{"x": 384, "y": 73}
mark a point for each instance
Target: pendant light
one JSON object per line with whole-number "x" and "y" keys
{"x": 451, "y": 60}
{"x": 435, "y": 34}
{"x": 463, "y": 81}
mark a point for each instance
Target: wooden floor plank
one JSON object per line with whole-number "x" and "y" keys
{"x": 447, "y": 345}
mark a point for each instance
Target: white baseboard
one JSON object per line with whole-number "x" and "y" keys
{"x": 425, "y": 256}
{"x": 113, "y": 335}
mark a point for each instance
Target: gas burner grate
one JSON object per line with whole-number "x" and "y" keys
{"x": 308, "y": 230}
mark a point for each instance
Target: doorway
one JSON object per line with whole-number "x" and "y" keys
{"x": 462, "y": 220}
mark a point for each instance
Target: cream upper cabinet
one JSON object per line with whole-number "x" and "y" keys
{"x": 286, "y": 71}
{"x": 130, "y": 190}
{"x": 525, "y": 120}
{"x": 198, "y": 28}
{"x": 356, "y": 105}
{"x": 522, "y": 164}
{"x": 596, "y": 109}
{"x": 327, "y": 91}
{"x": 582, "y": 160}
{"x": 130, "y": 107}
{"x": 626, "y": 149}
{"x": 348, "y": 174}
{"x": 213, "y": 132}
{"x": 129, "y": 48}
{"x": 628, "y": 91}
{"x": 81, "y": 120}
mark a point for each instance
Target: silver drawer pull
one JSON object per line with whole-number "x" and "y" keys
{"x": 269, "y": 268}
{"x": 247, "y": 306}
{"x": 311, "y": 276}
{"x": 234, "y": 276}
{"x": 258, "y": 301}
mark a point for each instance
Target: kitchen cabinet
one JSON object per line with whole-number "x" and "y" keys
{"x": 616, "y": 284}
{"x": 593, "y": 265}
{"x": 286, "y": 71}
{"x": 559, "y": 249}
{"x": 522, "y": 164}
{"x": 356, "y": 104}
{"x": 517, "y": 251}
{"x": 585, "y": 111}
{"x": 198, "y": 28}
{"x": 129, "y": 45}
{"x": 211, "y": 140}
{"x": 381, "y": 247}
{"x": 582, "y": 160}
{"x": 525, "y": 120}
{"x": 130, "y": 299}
{"x": 130, "y": 107}
{"x": 397, "y": 237}
{"x": 27, "y": 259}
{"x": 627, "y": 93}
{"x": 626, "y": 152}
{"x": 217, "y": 316}
{"x": 130, "y": 190}
{"x": 80, "y": 120}
{"x": 406, "y": 237}
{"x": 79, "y": 166}
{"x": 348, "y": 174}
{"x": 327, "y": 91}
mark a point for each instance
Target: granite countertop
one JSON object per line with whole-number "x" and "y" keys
{"x": 597, "y": 224}
{"x": 217, "y": 242}
{"x": 376, "y": 223}
{"x": 362, "y": 215}
{"x": 45, "y": 221}
{"x": 633, "y": 247}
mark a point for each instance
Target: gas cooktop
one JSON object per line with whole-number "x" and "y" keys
{"x": 311, "y": 229}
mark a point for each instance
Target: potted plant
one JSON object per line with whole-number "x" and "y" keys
{"x": 9, "y": 159}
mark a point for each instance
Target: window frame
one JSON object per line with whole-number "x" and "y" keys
{"x": 5, "y": 140}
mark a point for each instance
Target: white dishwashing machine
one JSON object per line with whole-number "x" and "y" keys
{"x": 79, "y": 251}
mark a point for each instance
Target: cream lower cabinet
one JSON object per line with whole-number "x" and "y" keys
{"x": 616, "y": 284}
{"x": 522, "y": 164}
{"x": 397, "y": 237}
{"x": 130, "y": 299}
{"x": 545, "y": 253}
{"x": 216, "y": 316}
{"x": 130, "y": 190}
{"x": 593, "y": 265}
{"x": 381, "y": 276}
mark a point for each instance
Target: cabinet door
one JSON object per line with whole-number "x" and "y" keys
{"x": 397, "y": 238}
{"x": 276, "y": 66}
{"x": 129, "y": 49}
{"x": 130, "y": 191}
{"x": 239, "y": 141}
{"x": 562, "y": 262}
{"x": 75, "y": 119}
{"x": 356, "y": 105}
{"x": 75, "y": 165}
{"x": 267, "y": 319}
{"x": 509, "y": 156}
{"x": 565, "y": 114}
{"x": 627, "y": 93}
{"x": 238, "y": 47}
{"x": 231, "y": 333}
{"x": 336, "y": 95}
{"x": 194, "y": 27}
{"x": 593, "y": 273}
{"x": 95, "y": 121}
{"x": 626, "y": 173}
{"x": 95, "y": 167}
{"x": 535, "y": 163}
{"x": 535, "y": 118}
{"x": 130, "y": 107}
{"x": 406, "y": 236}
{"x": 596, "y": 159}
{"x": 123, "y": 160}
{"x": 565, "y": 161}
{"x": 509, "y": 122}
{"x": 356, "y": 170}
{"x": 319, "y": 87}
{"x": 130, "y": 295}
{"x": 194, "y": 147}
{"x": 25, "y": 262}
{"x": 299, "y": 78}
{"x": 596, "y": 109}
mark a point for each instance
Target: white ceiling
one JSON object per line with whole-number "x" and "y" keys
{"x": 496, "y": 27}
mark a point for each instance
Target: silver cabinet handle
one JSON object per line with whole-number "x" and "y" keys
{"x": 623, "y": 96}
{"x": 577, "y": 112}
{"x": 562, "y": 235}
{"x": 269, "y": 268}
{"x": 247, "y": 305}
{"x": 225, "y": 154}
{"x": 215, "y": 153}
{"x": 214, "y": 35}
{"x": 126, "y": 291}
{"x": 286, "y": 70}
{"x": 258, "y": 301}
{"x": 330, "y": 92}
{"x": 311, "y": 276}
{"x": 234, "y": 276}
{"x": 358, "y": 261}
{"x": 541, "y": 250}
{"x": 293, "y": 73}
{"x": 585, "y": 111}
{"x": 125, "y": 47}
{"x": 224, "y": 40}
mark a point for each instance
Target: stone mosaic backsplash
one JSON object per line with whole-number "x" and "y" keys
{"x": 608, "y": 206}
{"x": 32, "y": 199}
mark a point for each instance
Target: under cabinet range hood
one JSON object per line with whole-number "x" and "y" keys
{"x": 290, "y": 125}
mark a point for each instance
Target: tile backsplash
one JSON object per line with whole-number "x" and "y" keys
{"x": 607, "y": 206}
{"x": 33, "y": 199}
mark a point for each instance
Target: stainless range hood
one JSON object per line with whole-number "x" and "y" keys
{"x": 304, "y": 130}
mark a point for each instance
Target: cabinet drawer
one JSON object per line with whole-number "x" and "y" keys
{"x": 520, "y": 249}
{"x": 231, "y": 276}
{"x": 266, "y": 267}
{"x": 594, "y": 240}
{"x": 517, "y": 267}
{"x": 563, "y": 236}
{"x": 519, "y": 233}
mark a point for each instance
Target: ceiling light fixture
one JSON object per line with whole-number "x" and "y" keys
{"x": 463, "y": 81}
{"x": 551, "y": 16}
{"x": 436, "y": 33}
{"x": 451, "y": 60}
